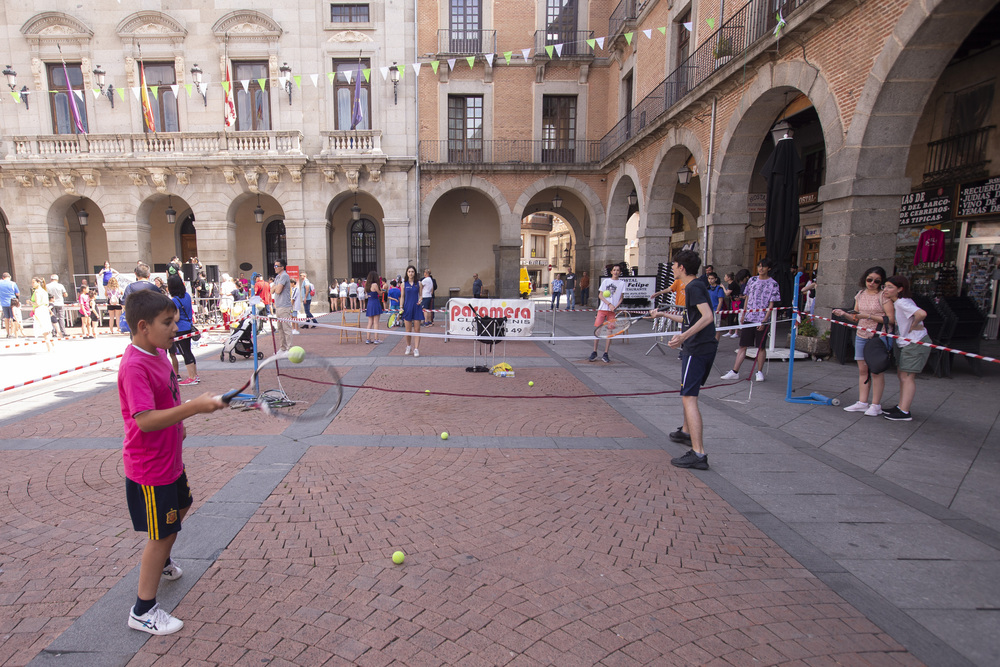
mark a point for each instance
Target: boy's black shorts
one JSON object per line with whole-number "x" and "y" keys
{"x": 156, "y": 509}
{"x": 695, "y": 370}
{"x": 752, "y": 337}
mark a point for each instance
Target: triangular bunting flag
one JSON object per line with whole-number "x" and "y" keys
{"x": 689, "y": 26}
{"x": 78, "y": 93}
{"x": 662, "y": 29}
{"x": 349, "y": 75}
{"x": 368, "y": 74}
{"x": 648, "y": 33}
{"x": 600, "y": 42}
{"x": 781, "y": 24}
{"x": 559, "y": 50}
{"x": 472, "y": 61}
{"x": 628, "y": 37}
{"x": 591, "y": 42}
{"x": 173, "y": 89}
{"x": 451, "y": 64}
{"x": 402, "y": 71}
{"x": 155, "y": 91}
{"x": 315, "y": 80}
{"x": 489, "y": 58}
{"x": 385, "y": 72}
{"x": 549, "y": 49}
{"x": 121, "y": 93}
{"x": 416, "y": 68}
{"x": 507, "y": 55}
{"x": 262, "y": 83}
{"x": 711, "y": 23}
{"x": 298, "y": 81}
{"x": 246, "y": 84}
{"x": 331, "y": 76}
{"x": 135, "y": 91}
{"x": 97, "y": 93}
{"x": 188, "y": 87}
{"x": 524, "y": 53}
{"x": 16, "y": 95}
{"x": 434, "y": 65}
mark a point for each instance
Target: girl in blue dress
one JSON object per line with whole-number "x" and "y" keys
{"x": 373, "y": 308}
{"x": 413, "y": 314}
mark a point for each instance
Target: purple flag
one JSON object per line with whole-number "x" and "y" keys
{"x": 357, "y": 115}
{"x": 72, "y": 102}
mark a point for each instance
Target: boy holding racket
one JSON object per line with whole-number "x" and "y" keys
{"x": 614, "y": 287}
{"x": 698, "y": 347}
{"x": 156, "y": 486}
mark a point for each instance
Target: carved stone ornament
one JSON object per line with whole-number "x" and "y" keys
{"x": 274, "y": 174}
{"x": 330, "y": 175}
{"x": 352, "y": 179}
{"x": 25, "y": 179}
{"x": 45, "y": 180}
{"x": 159, "y": 178}
{"x": 230, "y": 175}
{"x": 350, "y": 36}
{"x": 250, "y": 175}
{"x": 375, "y": 174}
{"x": 296, "y": 173}
{"x": 138, "y": 178}
{"x": 183, "y": 175}
{"x": 68, "y": 182}
{"x": 91, "y": 177}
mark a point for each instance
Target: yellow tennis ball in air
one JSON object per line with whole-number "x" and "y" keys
{"x": 398, "y": 557}
{"x": 444, "y": 435}
{"x": 607, "y": 294}
{"x": 296, "y": 354}
{"x": 531, "y": 383}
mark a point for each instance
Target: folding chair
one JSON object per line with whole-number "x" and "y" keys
{"x": 489, "y": 331}
{"x": 345, "y": 323}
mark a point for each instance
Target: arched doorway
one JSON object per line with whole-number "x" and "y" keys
{"x": 275, "y": 244}
{"x": 364, "y": 248}
{"x": 189, "y": 238}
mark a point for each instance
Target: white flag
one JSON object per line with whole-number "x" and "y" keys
{"x": 174, "y": 89}
{"x": 315, "y": 80}
{"x": 559, "y": 50}
{"x": 246, "y": 84}
{"x": 385, "y": 72}
{"x": 135, "y": 91}
{"x": 489, "y": 58}
{"x": 348, "y": 74}
{"x": 451, "y": 63}
{"x": 600, "y": 42}
{"x": 648, "y": 33}
{"x": 524, "y": 53}
{"x": 416, "y": 68}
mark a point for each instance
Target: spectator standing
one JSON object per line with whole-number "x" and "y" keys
{"x": 283, "y": 305}
{"x": 86, "y": 323}
{"x": 427, "y": 297}
{"x": 57, "y": 301}
{"x": 615, "y": 287}
{"x": 42, "y": 324}
{"x": 228, "y": 292}
{"x": 584, "y": 289}
{"x": 185, "y": 324}
{"x": 373, "y": 308}
{"x": 141, "y": 283}
{"x": 262, "y": 289}
{"x": 570, "y": 282}
{"x": 870, "y": 305}
{"x": 734, "y": 301}
{"x": 762, "y": 295}
{"x": 910, "y": 357}
{"x": 477, "y": 286}
{"x": 8, "y": 290}
{"x": 113, "y": 294}
{"x": 352, "y": 293}
{"x": 334, "y": 296}
{"x": 394, "y": 295}
{"x": 344, "y": 290}
{"x": 557, "y": 290}
{"x": 244, "y": 283}
{"x": 308, "y": 292}
{"x": 413, "y": 314}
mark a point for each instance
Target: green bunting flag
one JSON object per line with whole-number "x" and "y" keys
{"x": 121, "y": 93}
{"x": 330, "y": 76}
{"x": 225, "y": 86}
{"x": 16, "y": 95}
{"x": 662, "y": 29}
{"x": 549, "y": 49}
{"x": 507, "y": 55}
{"x": 472, "y": 61}
{"x": 628, "y": 37}
{"x": 298, "y": 80}
{"x": 591, "y": 42}
{"x": 368, "y": 75}
{"x": 188, "y": 87}
{"x": 153, "y": 90}
{"x": 434, "y": 65}
{"x": 402, "y": 71}
{"x": 711, "y": 23}
{"x": 262, "y": 83}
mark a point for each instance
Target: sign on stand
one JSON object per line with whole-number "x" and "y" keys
{"x": 520, "y": 314}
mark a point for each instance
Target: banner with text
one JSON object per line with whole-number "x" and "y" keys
{"x": 520, "y": 314}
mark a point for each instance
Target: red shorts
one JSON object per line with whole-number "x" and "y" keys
{"x": 603, "y": 315}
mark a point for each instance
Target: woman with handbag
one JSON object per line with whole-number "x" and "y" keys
{"x": 871, "y": 305}
{"x": 114, "y": 294}
{"x": 910, "y": 357}
{"x": 185, "y": 325}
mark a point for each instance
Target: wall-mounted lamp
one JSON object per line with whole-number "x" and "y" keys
{"x": 355, "y": 210}
{"x": 394, "y": 75}
{"x": 170, "y": 213}
{"x": 258, "y": 213}
{"x": 196, "y": 79}
{"x": 286, "y": 74}
{"x": 557, "y": 201}
{"x": 783, "y": 130}
{"x": 99, "y": 80}
{"x": 464, "y": 206}
{"x": 684, "y": 175}
{"x": 82, "y": 216}
{"x": 12, "y": 82}
{"x": 633, "y": 198}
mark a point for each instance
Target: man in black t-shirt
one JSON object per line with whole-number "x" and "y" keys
{"x": 698, "y": 347}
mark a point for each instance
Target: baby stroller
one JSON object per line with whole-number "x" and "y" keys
{"x": 240, "y": 341}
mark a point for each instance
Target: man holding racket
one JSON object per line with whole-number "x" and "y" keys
{"x": 614, "y": 289}
{"x": 698, "y": 347}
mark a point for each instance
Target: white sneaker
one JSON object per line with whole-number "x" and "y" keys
{"x": 731, "y": 375}
{"x": 416, "y": 353}
{"x": 295, "y": 332}
{"x": 857, "y": 407}
{"x": 409, "y": 350}
{"x": 759, "y": 377}
{"x": 874, "y": 410}
{"x": 734, "y": 335}
{"x": 155, "y": 621}
{"x": 172, "y": 572}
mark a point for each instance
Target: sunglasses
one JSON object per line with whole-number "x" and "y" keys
{"x": 873, "y": 280}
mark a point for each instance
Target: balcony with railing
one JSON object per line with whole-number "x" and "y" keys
{"x": 622, "y": 19}
{"x": 752, "y": 24}
{"x": 466, "y": 42}
{"x": 574, "y": 43}
{"x": 509, "y": 152}
{"x": 193, "y": 144}
{"x": 352, "y": 142}
{"x": 958, "y": 157}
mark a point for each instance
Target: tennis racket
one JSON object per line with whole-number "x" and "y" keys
{"x": 393, "y": 316}
{"x": 617, "y": 326}
{"x": 307, "y": 391}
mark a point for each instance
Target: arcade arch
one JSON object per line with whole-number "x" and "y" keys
{"x": 356, "y": 246}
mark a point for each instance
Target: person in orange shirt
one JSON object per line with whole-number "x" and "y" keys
{"x": 677, "y": 287}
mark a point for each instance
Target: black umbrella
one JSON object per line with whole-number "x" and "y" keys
{"x": 781, "y": 220}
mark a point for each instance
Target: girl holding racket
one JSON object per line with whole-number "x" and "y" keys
{"x": 413, "y": 314}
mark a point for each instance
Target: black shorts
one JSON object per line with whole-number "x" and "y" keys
{"x": 695, "y": 370}
{"x": 156, "y": 509}
{"x": 752, "y": 337}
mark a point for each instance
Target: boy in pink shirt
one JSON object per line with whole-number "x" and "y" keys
{"x": 156, "y": 486}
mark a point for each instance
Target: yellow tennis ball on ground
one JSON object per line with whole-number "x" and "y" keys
{"x": 607, "y": 294}
{"x": 444, "y": 435}
{"x": 398, "y": 557}
{"x": 427, "y": 391}
{"x": 296, "y": 354}
{"x": 531, "y": 383}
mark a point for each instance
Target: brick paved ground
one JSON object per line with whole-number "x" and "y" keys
{"x": 66, "y": 537}
{"x": 517, "y": 557}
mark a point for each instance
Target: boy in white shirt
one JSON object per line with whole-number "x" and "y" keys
{"x": 606, "y": 311}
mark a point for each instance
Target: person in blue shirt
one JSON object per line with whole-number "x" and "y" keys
{"x": 717, "y": 295}
{"x": 8, "y": 290}
{"x": 182, "y": 301}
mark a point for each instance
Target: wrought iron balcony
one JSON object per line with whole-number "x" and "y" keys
{"x": 574, "y": 42}
{"x": 622, "y": 18}
{"x": 63, "y": 146}
{"x": 754, "y": 23}
{"x": 958, "y": 157}
{"x": 466, "y": 42}
{"x": 509, "y": 152}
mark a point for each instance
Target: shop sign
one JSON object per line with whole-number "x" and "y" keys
{"x": 808, "y": 198}
{"x": 928, "y": 207}
{"x": 979, "y": 198}
{"x": 813, "y": 232}
{"x": 535, "y": 262}
{"x": 757, "y": 202}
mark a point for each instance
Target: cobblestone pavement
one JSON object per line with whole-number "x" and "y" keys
{"x": 543, "y": 532}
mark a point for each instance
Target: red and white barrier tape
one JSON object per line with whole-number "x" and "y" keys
{"x": 933, "y": 346}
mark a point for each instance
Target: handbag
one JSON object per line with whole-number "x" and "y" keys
{"x": 878, "y": 350}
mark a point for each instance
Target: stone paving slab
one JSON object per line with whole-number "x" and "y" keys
{"x": 514, "y": 557}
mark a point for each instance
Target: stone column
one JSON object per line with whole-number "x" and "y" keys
{"x": 726, "y": 241}
{"x": 39, "y": 245}
{"x": 396, "y": 245}
{"x": 315, "y": 233}
{"x": 508, "y": 268}
{"x": 654, "y": 247}
{"x": 129, "y": 240}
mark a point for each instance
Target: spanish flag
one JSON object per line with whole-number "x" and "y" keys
{"x": 147, "y": 110}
